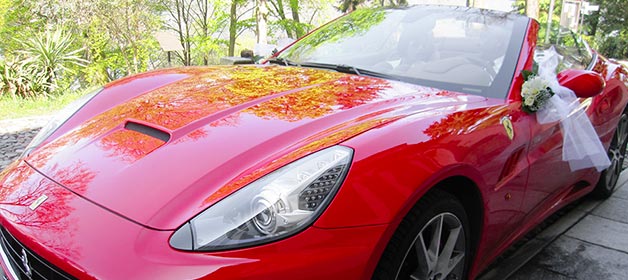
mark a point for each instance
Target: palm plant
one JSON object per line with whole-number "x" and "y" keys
{"x": 53, "y": 54}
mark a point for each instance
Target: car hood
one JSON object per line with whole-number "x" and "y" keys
{"x": 163, "y": 150}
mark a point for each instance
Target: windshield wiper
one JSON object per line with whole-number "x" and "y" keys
{"x": 343, "y": 68}
{"x": 280, "y": 61}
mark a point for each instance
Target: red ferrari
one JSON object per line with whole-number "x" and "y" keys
{"x": 388, "y": 144}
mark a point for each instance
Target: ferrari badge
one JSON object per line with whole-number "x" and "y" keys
{"x": 508, "y": 127}
{"x": 38, "y": 202}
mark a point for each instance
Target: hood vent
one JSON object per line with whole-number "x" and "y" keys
{"x": 147, "y": 130}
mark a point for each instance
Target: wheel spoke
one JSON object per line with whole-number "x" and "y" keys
{"x": 622, "y": 130}
{"x": 434, "y": 247}
{"x": 447, "y": 261}
{"x": 612, "y": 173}
{"x": 426, "y": 263}
{"x": 437, "y": 251}
{"x": 623, "y": 139}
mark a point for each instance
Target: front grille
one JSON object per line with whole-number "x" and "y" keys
{"x": 25, "y": 263}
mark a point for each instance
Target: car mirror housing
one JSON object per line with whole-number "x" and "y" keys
{"x": 584, "y": 83}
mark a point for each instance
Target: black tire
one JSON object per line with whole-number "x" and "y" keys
{"x": 436, "y": 207}
{"x": 617, "y": 153}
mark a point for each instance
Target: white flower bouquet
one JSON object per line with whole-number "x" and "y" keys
{"x": 535, "y": 92}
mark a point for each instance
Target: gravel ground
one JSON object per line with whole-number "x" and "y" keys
{"x": 15, "y": 135}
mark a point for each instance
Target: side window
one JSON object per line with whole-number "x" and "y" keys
{"x": 575, "y": 51}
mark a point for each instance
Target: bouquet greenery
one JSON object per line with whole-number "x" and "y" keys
{"x": 535, "y": 92}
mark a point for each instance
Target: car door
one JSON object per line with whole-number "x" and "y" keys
{"x": 551, "y": 178}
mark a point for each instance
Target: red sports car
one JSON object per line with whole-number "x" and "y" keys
{"x": 388, "y": 144}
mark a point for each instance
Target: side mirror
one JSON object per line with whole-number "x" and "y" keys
{"x": 584, "y": 83}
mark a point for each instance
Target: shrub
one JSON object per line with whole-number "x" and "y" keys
{"x": 52, "y": 54}
{"x": 18, "y": 78}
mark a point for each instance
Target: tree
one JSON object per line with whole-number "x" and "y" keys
{"x": 131, "y": 36}
{"x": 294, "y": 8}
{"x": 51, "y": 54}
{"x": 233, "y": 25}
{"x": 295, "y": 17}
{"x": 609, "y": 27}
{"x": 261, "y": 18}
{"x": 352, "y": 5}
{"x": 19, "y": 21}
{"x": 199, "y": 25}
{"x": 181, "y": 14}
{"x": 349, "y": 5}
{"x": 532, "y": 8}
{"x": 210, "y": 20}
{"x": 238, "y": 9}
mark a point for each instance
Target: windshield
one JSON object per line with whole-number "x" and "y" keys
{"x": 454, "y": 48}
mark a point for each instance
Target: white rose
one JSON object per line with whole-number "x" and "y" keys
{"x": 531, "y": 89}
{"x": 528, "y": 100}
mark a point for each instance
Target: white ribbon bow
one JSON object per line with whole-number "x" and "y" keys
{"x": 582, "y": 147}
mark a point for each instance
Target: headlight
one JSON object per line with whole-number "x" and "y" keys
{"x": 275, "y": 206}
{"x": 57, "y": 120}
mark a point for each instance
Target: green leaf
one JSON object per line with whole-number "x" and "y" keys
{"x": 527, "y": 74}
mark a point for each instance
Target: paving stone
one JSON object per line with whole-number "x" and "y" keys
{"x": 15, "y": 136}
{"x": 569, "y": 258}
{"x": 614, "y": 208}
{"x": 622, "y": 192}
{"x": 601, "y": 231}
{"x": 588, "y": 205}
{"x": 537, "y": 272}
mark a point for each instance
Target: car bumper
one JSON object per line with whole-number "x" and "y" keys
{"x": 86, "y": 241}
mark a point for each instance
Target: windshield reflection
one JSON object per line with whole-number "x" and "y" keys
{"x": 449, "y": 48}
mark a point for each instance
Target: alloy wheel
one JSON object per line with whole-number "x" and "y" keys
{"x": 438, "y": 251}
{"x": 617, "y": 153}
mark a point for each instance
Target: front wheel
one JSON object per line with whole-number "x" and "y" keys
{"x": 431, "y": 243}
{"x": 617, "y": 154}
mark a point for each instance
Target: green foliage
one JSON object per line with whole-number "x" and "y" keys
{"x": 21, "y": 79}
{"x": 609, "y": 28}
{"x": 48, "y": 46}
{"x": 20, "y": 21}
{"x": 296, "y": 28}
{"x": 199, "y": 25}
{"x": 11, "y": 107}
{"x": 131, "y": 38}
{"x": 352, "y": 25}
{"x": 527, "y": 74}
{"x": 36, "y": 69}
{"x": 615, "y": 46}
{"x": 350, "y": 5}
{"x": 606, "y": 29}
{"x": 52, "y": 54}
{"x": 40, "y": 66}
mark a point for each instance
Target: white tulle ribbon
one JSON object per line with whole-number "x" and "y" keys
{"x": 582, "y": 147}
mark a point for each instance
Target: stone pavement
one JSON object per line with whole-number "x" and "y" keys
{"x": 15, "y": 135}
{"x": 595, "y": 246}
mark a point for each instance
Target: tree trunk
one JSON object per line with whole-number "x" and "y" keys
{"x": 550, "y": 15}
{"x": 532, "y": 8}
{"x": 233, "y": 20}
{"x": 280, "y": 13}
{"x": 188, "y": 47}
{"x": 261, "y": 13}
{"x": 595, "y": 18}
{"x": 181, "y": 30}
{"x": 294, "y": 7}
{"x": 203, "y": 16}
